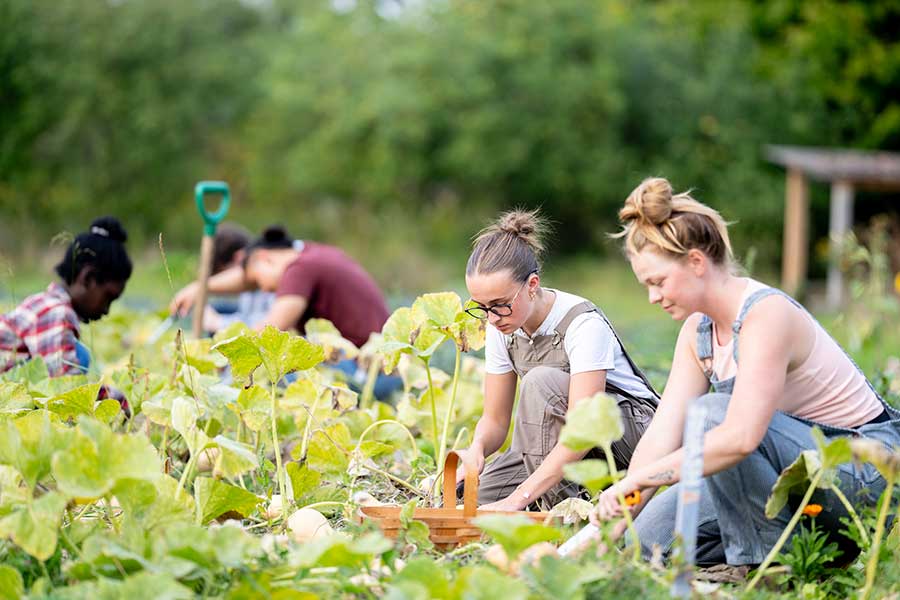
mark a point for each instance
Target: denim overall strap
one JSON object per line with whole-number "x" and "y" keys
{"x": 893, "y": 413}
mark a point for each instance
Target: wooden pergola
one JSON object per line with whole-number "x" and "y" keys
{"x": 845, "y": 171}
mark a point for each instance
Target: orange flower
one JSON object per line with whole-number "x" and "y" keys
{"x": 633, "y": 498}
{"x": 812, "y": 510}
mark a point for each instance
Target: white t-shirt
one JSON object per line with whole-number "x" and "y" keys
{"x": 589, "y": 344}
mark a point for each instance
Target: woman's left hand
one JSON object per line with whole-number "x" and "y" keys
{"x": 609, "y": 506}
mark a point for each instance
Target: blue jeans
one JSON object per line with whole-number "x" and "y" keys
{"x": 83, "y": 356}
{"x": 733, "y": 526}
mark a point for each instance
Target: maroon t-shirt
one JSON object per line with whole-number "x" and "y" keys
{"x": 338, "y": 289}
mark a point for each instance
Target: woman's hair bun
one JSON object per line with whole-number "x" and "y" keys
{"x": 109, "y": 227}
{"x": 274, "y": 234}
{"x": 651, "y": 202}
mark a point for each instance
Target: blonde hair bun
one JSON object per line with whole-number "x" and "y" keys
{"x": 650, "y": 202}
{"x": 515, "y": 241}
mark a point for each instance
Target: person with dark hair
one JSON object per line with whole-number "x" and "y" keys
{"x": 309, "y": 280}
{"x": 229, "y": 249}
{"x": 94, "y": 271}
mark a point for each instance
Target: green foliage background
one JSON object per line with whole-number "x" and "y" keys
{"x": 356, "y": 123}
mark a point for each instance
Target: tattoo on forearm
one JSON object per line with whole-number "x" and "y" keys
{"x": 664, "y": 476}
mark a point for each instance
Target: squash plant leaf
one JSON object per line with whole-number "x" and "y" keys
{"x": 234, "y": 458}
{"x": 515, "y": 532}
{"x": 592, "y": 473}
{"x": 215, "y": 498}
{"x": 334, "y": 345}
{"x": 96, "y": 458}
{"x": 14, "y": 399}
{"x": 303, "y": 479}
{"x": 254, "y": 405}
{"x": 29, "y": 442}
{"x": 12, "y": 587}
{"x": 594, "y": 422}
{"x": 440, "y": 308}
{"x": 242, "y": 354}
{"x": 794, "y": 479}
{"x": 877, "y": 454}
{"x": 75, "y": 402}
{"x": 34, "y": 526}
{"x": 485, "y": 583}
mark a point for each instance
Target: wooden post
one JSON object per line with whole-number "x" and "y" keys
{"x": 839, "y": 225}
{"x": 796, "y": 226}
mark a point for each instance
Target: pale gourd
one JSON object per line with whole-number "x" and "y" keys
{"x": 307, "y": 523}
{"x": 206, "y": 460}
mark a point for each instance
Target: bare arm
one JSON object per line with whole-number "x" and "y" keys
{"x": 229, "y": 281}
{"x": 767, "y": 339}
{"x": 686, "y": 382}
{"x": 493, "y": 426}
{"x": 285, "y": 312}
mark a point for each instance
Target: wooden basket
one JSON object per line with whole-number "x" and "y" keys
{"x": 449, "y": 526}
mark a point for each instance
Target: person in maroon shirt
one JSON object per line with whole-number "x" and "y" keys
{"x": 310, "y": 280}
{"x": 313, "y": 280}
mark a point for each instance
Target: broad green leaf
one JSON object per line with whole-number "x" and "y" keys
{"x": 468, "y": 332}
{"x": 141, "y": 586}
{"x": 515, "y": 532}
{"x": 795, "y": 478}
{"x": 32, "y": 372}
{"x": 303, "y": 480}
{"x": 255, "y": 407}
{"x": 485, "y": 583}
{"x": 427, "y": 574}
{"x": 340, "y": 551}
{"x": 328, "y": 450}
{"x": 215, "y": 498}
{"x": 107, "y": 410}
{"x": 564, "y": 578}
{"x": 342, "y": 398}
{"x": 334, "y": 345}
{"x": 209, "y": 548}
{"x": 34, "y": 527}
{"x": 12, "y": 489}
{"x": 242, "y": 354}
{"x": 29, "y": 442}
{"x": 14, "y": 399}
{"x": 96, "y": 458}
{"x": 592, "y": 473}
{"x": 594, "y": 422}
{"x": 440, "y": 308}
{"x": 158, "y": 409}
{"x": 234, "y": 458}
{"x": 12, "y": 587}
{"x": 78, "y": 401}
{"x": 167, "y": 507}
{"x": 283, "y": 352}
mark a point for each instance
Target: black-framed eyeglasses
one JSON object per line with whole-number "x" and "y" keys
{"x": 501, "y": 310}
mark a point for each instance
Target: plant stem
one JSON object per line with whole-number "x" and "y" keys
{"x": 365, "y": 399}
{"x": 626, "y": 511}
{"x": 853, "y": 515}
{"x": 396, "y": 479}
{"x": 786, "y": 533}
{"x": 279, "y": 475}
{"x": 875, "y": 549}
{"x": 304, "y": 445}
{"x": 434, "y": 422}
{"x": 446, "y": 429}
{"x": 184, "y": 474}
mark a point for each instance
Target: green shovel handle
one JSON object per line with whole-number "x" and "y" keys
{"x": 210, "y": 220}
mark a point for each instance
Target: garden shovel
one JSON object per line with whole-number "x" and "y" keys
{"x": 210, "y": 221}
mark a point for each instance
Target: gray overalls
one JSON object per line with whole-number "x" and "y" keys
{"x": 733, "y": 527}
{"x": 543, "y": 369}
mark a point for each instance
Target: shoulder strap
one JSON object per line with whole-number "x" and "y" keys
{"x": 704, "y": 345}
{"x": 574, "y": 312}
{"x": 749, "y": 303}
{"x": 637, "y": 370}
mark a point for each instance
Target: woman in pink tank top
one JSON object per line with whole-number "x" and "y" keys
{"x": 775, "y": 374}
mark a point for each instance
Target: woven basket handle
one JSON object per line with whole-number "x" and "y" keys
{"x": 470, "y": 489}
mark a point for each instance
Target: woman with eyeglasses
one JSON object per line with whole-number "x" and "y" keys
{"x": 558, "y": 348}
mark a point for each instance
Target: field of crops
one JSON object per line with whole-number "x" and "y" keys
{"x": 231, "y": 480}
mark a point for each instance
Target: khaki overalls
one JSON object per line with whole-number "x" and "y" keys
{"x": 543, "y": 369}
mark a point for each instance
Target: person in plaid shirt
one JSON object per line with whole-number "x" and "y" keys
{"x": 94, "y": 271}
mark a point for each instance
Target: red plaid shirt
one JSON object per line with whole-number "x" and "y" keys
{"x": 45, "y": 325}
